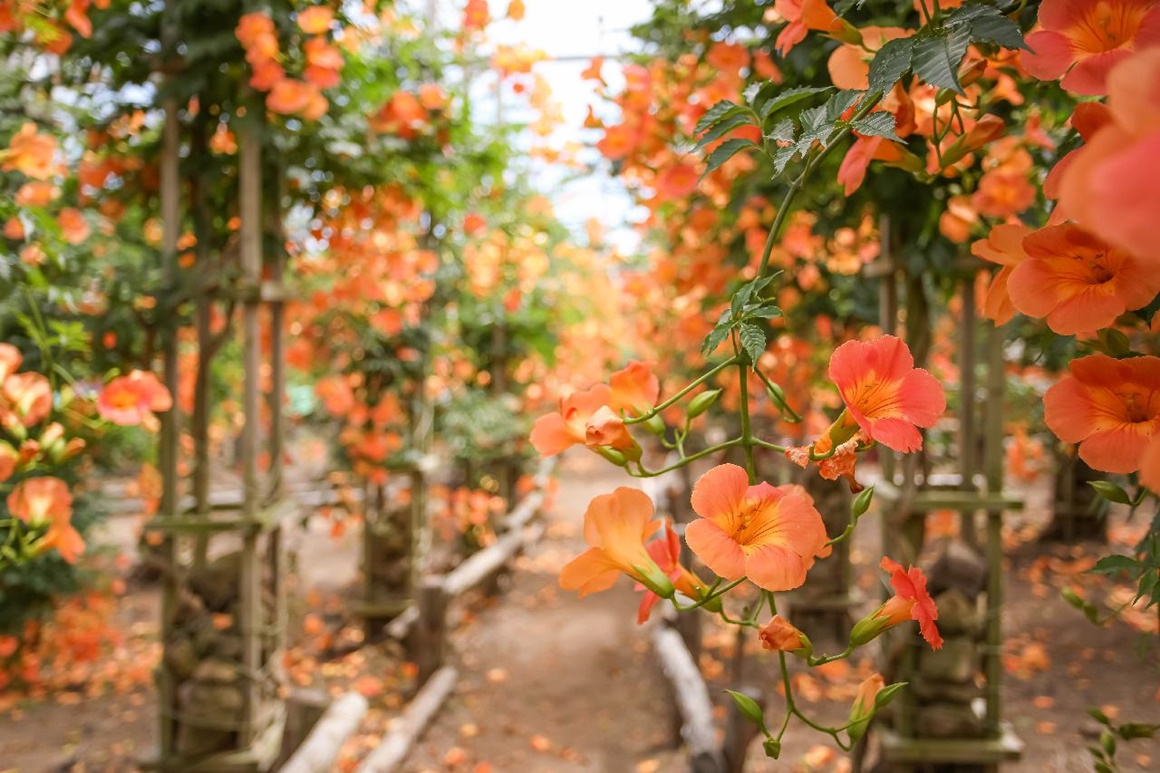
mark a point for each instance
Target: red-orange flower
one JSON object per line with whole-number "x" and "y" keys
{"x": 9, "y": 458}
{"x": 1086, "y": 39}
{"x": 30, "y": 152}
{"x": 315, "y": 20}
{"x": 133, "y": 399}
{"x": 1150, "y": 464}
{"x": 584, "y": 418}
{"x": 1110, "y": 407}
{"x": 803, "y": 15}
{"x": 772, "y": 535}
{"x": 666, "y": 551}
{"x": 1077, "y": 281}
{"x": 911, "y": 601}
{"x": 884, "y": 393}
{"x": 39, "y": 501}
{"x": 616, "y": 525}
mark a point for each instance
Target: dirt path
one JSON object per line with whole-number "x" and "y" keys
{"x": 551, "y": 682}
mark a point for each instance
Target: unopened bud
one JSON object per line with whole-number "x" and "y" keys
{"x": 702, "y": 403}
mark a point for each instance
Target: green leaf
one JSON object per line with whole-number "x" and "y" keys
{"x": 748, "y": 291}
{"x": 726, "y": 125}
{"x": 765, "y": 312}
{"x": 1115, "y": 565}
{"x": 748, "y": 707}
{"x": 840, "y": 103}
{"x": 725, "y": 151}
{"x": 886, "y": 694}
{"x": 782, "y": 157}
{"x": 1134, "y": 730}
{"x": 1099, "y": 716}
{"x": 1110, "y": 491}
{"x": 788, "y": 98}
{"x": 717, "y": 112}
{"x": 937, "y": 57}
{"x": 718, "y": 333}
{"x": 752, "y": 340}
{"x": 891, "y": 63}
{"x": 880, "y": 124}
{"x": 782, "y": 131}
{"x": 987, "y": 25}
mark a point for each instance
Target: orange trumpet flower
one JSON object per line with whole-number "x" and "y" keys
{"x": 584, "y": 418}
{"x": 617, "y": 525}
{"x": 1110, "y": 407}
{"x": 39, "y": 501}
{"x": 911, "y": 601}
{"x": 885, "y": 395}
{"x": 772, "y": 535}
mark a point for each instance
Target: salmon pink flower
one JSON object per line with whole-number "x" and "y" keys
{"x": 1111, "y": 186}
{"x": 30, "y": 152}
{"x": 772, "y": 535}
{"x": 885, "y": 394}
{"x": 41, "y": 501}
{"x": 315, "y": 20}
{"x": 635, "y": 389}
{"x": 781, "y": 635}
{"x": 617, "y": 525}
{"x": 1110, "y": 407}
{"x": 1077, "y": 281}
{"x": 911, "y": 601}
{"x": 805, "y": 15}
{"x": 1086, "y": 39}
{"x": 132, "y": 400}
{"x": 9, "y": 459}
{"x": 1004, "y": 245}
{"x": 666, "y": 551}
{"x": 10, "y": 359}
{"x": 26, "y": 398}
{"x": 580, "y": 420}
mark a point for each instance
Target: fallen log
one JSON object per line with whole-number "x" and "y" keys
{"x": 692, "y": 699}
{"x": 321, "y": 747}
{"x": 408, "y": 728}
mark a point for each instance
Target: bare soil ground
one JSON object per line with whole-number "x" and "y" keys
{"x": 550, "y": 682}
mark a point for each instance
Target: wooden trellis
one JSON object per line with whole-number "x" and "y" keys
{"x": 938, "y": 719}
{"x": 223, "y": 616}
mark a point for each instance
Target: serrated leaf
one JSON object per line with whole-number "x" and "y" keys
{"x": 880, "y": 124}
{"x": 1115, "y": 564}
{"x": 725, "y": 151}
{"x": 891, "y": 63}
{"x": 782, "y": 157}
{"x": 999, "y": 30}
{"x": 752, "y": 340}
{"x": 782, "y": 131}
{"x": 840, "y": 103}
{"x": 714, "y": 114}
{"x": 766, "y": 312}
{"x": 937, "y": 57}
{"x": 845, "y": 6}
{"x": 724, "y": 126}
{"x": 718, "y": 333}
{"x": 788, "y": 98}
{"x": 1133, "y": 730}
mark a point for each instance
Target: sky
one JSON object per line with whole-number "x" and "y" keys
{"x": 573, "y": 31}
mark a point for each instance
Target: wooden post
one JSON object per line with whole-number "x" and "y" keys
{"x": 429, "y": 636}
{"x": 993, "y": 462}
{"x": 171, "y": 419}
{"x": 692, "y": 700}
{"x": 389, "y": 755}
{"x": 968, "y": 437}
{"x": 250, "y": 195}
{"x": 325, "y": 735}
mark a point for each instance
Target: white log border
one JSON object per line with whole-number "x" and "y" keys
{"x": 410, "y": 726}
{"x": 692, "y": 698}
{"x": 321, "y": 747}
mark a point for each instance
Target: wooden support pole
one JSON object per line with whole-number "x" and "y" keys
{"x": 389, "y": 755}
{"x": 250, "y": 595}
{"x": 321, "y": 747}
{"x": 968, "y": 436}
{"x": 993, "y": 464}
{"x": 429, "y": 636}
{"x": 692, "y": 700}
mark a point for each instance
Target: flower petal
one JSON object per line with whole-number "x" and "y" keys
{"x": 716, "y": 549}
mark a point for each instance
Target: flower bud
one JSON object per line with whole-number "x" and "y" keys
{"x": 702, "y": 403}
{"x": 894, "y": 612}
{"x": 782, "y": 635}
{"x": 864, "y": 704}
